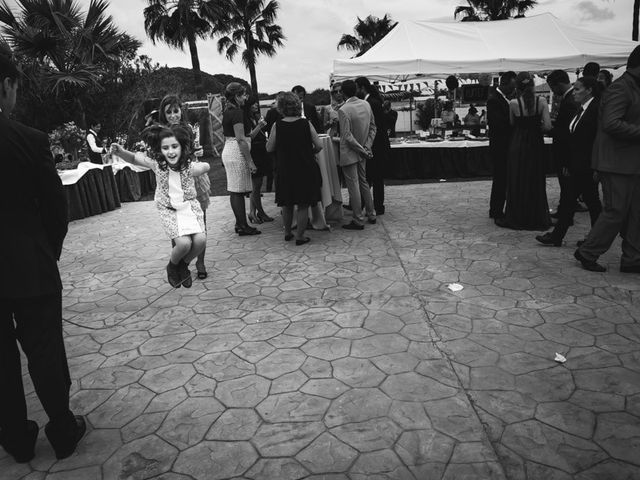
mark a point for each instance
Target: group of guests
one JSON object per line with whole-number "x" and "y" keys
{"x": 596, "y": 141}
{"x": 290, "y": 136}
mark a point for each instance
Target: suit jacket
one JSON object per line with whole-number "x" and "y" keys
{"x": 581, "y": 140}
{"x": 33, "y": 214}
{"x": 499, "y": 122}
{"x": 357, "y": 130}
{"x": 381, "y": 143}
{"x": 311, "y": 114}
{"x": 617, "y": 145}
{"x": 566, "y": 112}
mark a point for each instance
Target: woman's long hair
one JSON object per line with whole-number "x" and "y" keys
{"x": 154, "y": 135}
{"x": 526, "y": 90}
{"x": 173, "y": 101}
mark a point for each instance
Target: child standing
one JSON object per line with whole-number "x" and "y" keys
{"x": 175, "y": 197}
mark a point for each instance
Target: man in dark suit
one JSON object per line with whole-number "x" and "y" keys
{"x": 582, "y": 132}
{"x": 381, "y": 146}
{"x": 559, "y": 83}
{"x": 34, "y": 220}
{"x": 499, "y": 138}
{"x": 616, "y": 157}
{"x": 308, "y": 111}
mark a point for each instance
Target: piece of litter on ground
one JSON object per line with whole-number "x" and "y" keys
{"x": 560, "y": 358}
{"x": 455, "y": 287}
{"x": 443, "y": 179}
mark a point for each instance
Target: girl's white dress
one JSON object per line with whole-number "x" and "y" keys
{"x": 177, "y": 204}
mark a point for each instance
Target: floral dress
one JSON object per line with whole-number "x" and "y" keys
{"x": 176, "y": 201}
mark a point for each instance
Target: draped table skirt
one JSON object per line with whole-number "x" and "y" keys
{"x": 445, "y": 162}
{"x": 94, "y": 193}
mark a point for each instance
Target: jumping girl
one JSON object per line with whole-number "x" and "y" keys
{"x": 180, "y": 212}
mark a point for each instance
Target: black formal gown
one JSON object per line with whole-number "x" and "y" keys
{"x": 527, "y": 207}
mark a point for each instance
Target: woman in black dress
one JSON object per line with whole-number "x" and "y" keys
{"x": 527, "y": 207}
{"x": 261, "y": 159}
{"x": 299, "y": 180}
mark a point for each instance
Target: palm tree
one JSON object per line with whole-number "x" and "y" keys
{"x": 251, "y": 23}
{"x": 483, "y": 10}
{"x": 64, "y": 50}
{"x": 636, "y": 20}
{"x": 176, "y": 22}
{"x": 368, "y": 32}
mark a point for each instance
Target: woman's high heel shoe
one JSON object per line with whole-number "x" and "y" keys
{"x": 253, "y": 218}
{"x": 264, "y": 217}
{"x": 247, "y": 230}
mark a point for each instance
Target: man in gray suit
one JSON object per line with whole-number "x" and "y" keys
{"x": 616, "y": 157}
{"x": 357, "y": 132}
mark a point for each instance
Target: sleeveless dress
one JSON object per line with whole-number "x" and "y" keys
{"x": 527, "y": 207}
{"x": 299, "y": 178}
{"x": 176, "y": 201}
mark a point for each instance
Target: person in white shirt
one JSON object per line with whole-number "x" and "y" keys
{"x": 94, "y": 142}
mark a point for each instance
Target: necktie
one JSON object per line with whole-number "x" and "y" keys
{"x": 576, "y": 120}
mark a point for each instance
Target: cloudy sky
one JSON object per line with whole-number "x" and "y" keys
{"x": 313, "y": 29}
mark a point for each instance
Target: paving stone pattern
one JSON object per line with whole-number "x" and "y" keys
{"x": 347, "y": 358}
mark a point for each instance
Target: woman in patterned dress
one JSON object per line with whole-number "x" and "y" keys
{"x": 236, "y": 155}
{"x": 175, "y": 197}
{"x": 170, "y": 113}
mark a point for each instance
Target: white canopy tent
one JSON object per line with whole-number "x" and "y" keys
{"x": 428, "y": 49}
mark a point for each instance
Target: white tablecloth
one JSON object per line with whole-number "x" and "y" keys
{"x": 69, "y": 177}
{"x": 451, "y": 144}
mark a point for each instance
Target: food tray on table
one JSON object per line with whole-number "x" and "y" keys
{"x": 434, "y": 140}
{"x": 412, "y": 140}
{"x": 456, "y": 139}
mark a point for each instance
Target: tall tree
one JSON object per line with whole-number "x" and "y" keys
{"x": 367, "y": 32}
{"x": 180, "y": 22}
{"x": 636, "y": 20}
{"x": 484, "y": 10}
{"x": 63, "y": 49}
{"x": 251, "y": 24}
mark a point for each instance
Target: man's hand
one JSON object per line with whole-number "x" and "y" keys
{"x": 368, "y": 153}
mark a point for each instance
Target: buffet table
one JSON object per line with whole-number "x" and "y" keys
{"x": 445, "y": 159}
{"x": 90, "y": 189}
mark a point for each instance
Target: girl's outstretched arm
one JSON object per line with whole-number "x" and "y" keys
{"x": 199, "y": 168}
{"x": 137, "y": 158}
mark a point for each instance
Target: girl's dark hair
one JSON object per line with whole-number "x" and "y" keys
{"x": 592, "y": 84}
{"x": 526, "y": 89}
{"x": 363, "y": 82}
{"x": 608, "y": 77}
{"x": 154, "y": 135}
{"x": 231, "y": 91}
{"x": 172, "y": 100}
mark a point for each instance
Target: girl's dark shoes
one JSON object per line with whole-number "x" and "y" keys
{"x": 288, "y": 237}
{"x": 185, "y": 274}
{"x": 22, "y": 449}
{"x": 173, "y": 275}
{"x": 302, "y": 241}
{"x": 64, "y": 442}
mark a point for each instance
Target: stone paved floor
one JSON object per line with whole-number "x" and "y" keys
{"x": 348, "y": 358}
